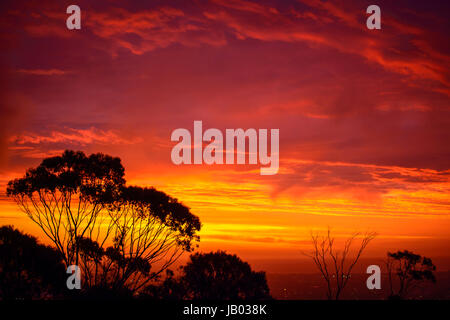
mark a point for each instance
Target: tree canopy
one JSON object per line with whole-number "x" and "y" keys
{"x": 214, "y": 276}
{"x": 28, "y": 270}
{"x": 116, "y": 233}
{"x": 336, "y": 265}
{"x": 410, "y": 269}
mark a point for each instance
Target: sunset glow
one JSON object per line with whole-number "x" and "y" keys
{"x": 363, "y": 116}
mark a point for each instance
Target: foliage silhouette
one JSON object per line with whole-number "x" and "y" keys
{"x": 171, "y": 288}
{"x": 411, "y": 270}
{"x": 101, "y": 293}
{"x": 334, "y": 266}
{"x": 214, "y": 276}
{"x": 29, "y": 270}
{"x": 65, "y": 194}
{"x": 120, "y": 236}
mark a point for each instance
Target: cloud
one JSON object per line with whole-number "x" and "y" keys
{"x": 43, "y": 72}
{"x": 308, "y": 179}
{"x": 403, "y": 48}
{"x": 247, "y": 6}
{"x": 73, "y": 136}
{"x": 35, "y": 152}
{"x": 387, "y": 51}
{"x": 147, "y": 30}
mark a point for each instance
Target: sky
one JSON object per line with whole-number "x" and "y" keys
{"x": 364, "y": 115}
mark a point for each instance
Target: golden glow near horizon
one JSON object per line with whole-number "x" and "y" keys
{"x": 363, "y": 114}
{"x": 242, "y": 213}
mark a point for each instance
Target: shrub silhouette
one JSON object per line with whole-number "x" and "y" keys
{"x": 410, "y": 269}
{"x": 214, "y": 276}
{"x": 28, "y": 270}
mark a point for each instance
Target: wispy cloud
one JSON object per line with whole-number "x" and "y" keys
{"x": 147, "y": 30}
{"x": 43, "y": 72}
{"x": 74, "y": 136}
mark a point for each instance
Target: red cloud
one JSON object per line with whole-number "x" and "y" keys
{"x": 43, "y": 72}
{"x": 71, "y": 136}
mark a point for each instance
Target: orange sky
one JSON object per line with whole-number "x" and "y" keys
{"x": 363, "y": 115}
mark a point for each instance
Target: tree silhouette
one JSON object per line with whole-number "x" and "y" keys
{"x": 115, "y": 233}
{"x": 336, "y": 267}
{"x": 215, "y": 276}
{"x": 65, "y": 195}
{"x": 411, "y": 270}
{"x": 148, "y": 227}
{"x": 28, "y": 270}
{"x": 171, "y": 288}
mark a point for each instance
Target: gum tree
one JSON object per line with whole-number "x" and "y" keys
{"x": 150, "y": 231}
{"x": 410, "y": 270}
{"x": 66, "y": 194}
{"x": 336, "y": 265}
{"x": 115, "y": 233}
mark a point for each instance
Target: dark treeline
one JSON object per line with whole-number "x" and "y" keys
{"x": 29, "y": 270}
{"x": 124, "y": 239}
